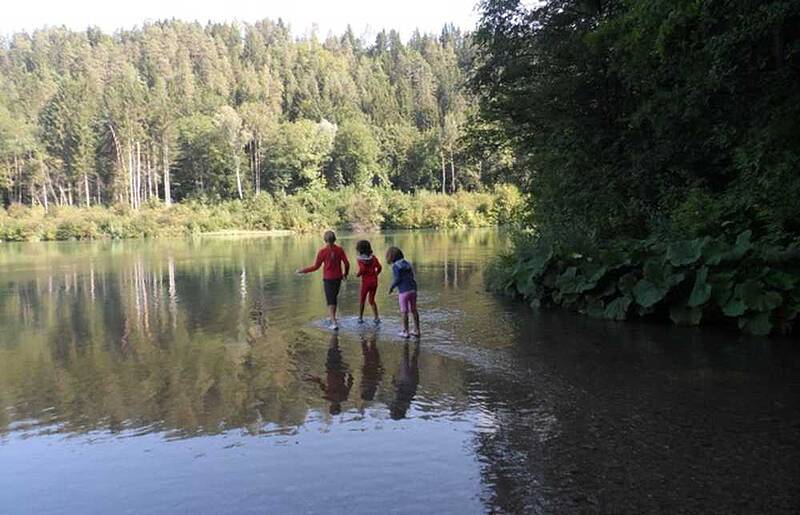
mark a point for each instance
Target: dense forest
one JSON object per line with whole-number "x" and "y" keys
{"x": 660, "y": 145}
{"x": 177, "y": 111}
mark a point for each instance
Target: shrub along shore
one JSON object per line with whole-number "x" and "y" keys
{"x": 347, "y": 208}
{"x": 754, "y": 285}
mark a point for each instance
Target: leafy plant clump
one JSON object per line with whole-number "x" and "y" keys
{"x": 702, "y": 280}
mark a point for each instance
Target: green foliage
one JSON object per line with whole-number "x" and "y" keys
{"x": 687, "y": 281}
{"x": 184, "y": 111}
{"x": 633, "y": 118}
{"x": 348, "y": 208}
{"x": 355, "y": 155}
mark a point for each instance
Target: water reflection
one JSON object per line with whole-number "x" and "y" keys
{"x": 372, "y": 368}
{"x": 405, "y": 382}
{"x": 338, "y": 379}
{"x": 207, "y": 345}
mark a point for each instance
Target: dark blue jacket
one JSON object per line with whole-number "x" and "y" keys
{"x": 403, "y": 277}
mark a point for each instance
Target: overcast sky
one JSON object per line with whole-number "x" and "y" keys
{"x": 365, "y": 16}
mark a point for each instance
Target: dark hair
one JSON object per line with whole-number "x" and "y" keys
{"x": 364, "y": 248}
{"x": 329, "y": 237}
{"x": 394, "y": 254}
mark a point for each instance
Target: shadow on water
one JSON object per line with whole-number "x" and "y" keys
{"x": 124, "y": 365}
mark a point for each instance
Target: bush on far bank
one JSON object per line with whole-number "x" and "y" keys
{"x": 347, "y": 208}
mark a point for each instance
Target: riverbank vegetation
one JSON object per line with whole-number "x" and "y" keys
{"x": 347, "y": 208}
{"x": 660, "y": 148}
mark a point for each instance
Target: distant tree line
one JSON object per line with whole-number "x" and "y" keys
{"x": 176, "y": 110}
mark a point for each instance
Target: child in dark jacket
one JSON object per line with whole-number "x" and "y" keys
{"x": 406, "y": 284}
{"x": 368, "y": 270}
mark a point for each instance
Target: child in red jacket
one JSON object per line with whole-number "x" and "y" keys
{"x": 332, "y": 256}
{"x": 368, "y": 270}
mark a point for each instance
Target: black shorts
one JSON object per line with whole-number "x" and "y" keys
{"x": 331, "y": 290}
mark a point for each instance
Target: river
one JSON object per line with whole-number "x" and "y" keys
{"x": 197, "y": 376}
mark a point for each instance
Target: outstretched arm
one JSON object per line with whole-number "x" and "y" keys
{"x": 318, "y": 263}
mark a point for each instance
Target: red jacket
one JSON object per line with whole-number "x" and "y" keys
{"x": 368, "y": 269}
{"x": 332, "y": 257}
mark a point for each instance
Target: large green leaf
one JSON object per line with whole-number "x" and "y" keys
{"x": 595, "y": 307}
{"x": 721, "y": 286}
{"x": 681, "y": 314}
{"x": 539, "y": 258}
{"x": 648, "y": 294}
{"x": 568, "y": 281}
{"x": 686, "y": 252}
{"x": 661, "y": 273}
{"x": 528, "y": 287}
{"x": 715, "y": 251}
{"x": 591, "y": 273}
{"x": 780, "y": 280}
{"x": 757, "y": 297}
{"x": 701, "y": 291}
{"x": 627, "y": 282}
{"x": 741, "y": 247}
{"x": 655, "y": 269}
{"x": 735, "y": 307}
{"x": 617, "y": 309}
{"x": 758, "y": 324}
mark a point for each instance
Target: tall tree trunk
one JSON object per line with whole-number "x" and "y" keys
{"x": 131, "y": 185}
{"x": 118, "y": 151}
{"x": 149, "y": 175}
{"x": 18, "y": 170}
{"x": 86, "y": 188}
{"x": 138, "y": 175}
{"x": 251, "y": 155}
{"x": 452, "y": 173}
{"x": 167, "y": 184}
{"x": 444, "y": 173}
{"x": 44, "y": 184}
{"x": 238, "y": 177}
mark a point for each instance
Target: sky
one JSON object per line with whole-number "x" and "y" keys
{"x": 365, "y": 16}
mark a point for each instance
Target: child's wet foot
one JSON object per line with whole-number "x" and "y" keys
{"x": 360, "y": 320}
{"x": 377, "y": 321}
{"x": 335, "y": 326}
{"x": 415, "y": 334}
{"x": 403, "y": 334}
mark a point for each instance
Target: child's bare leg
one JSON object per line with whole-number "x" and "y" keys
{"x": 374, "y": 306}
{"x": 332, "y": 312}
{"x": 416, "y": 321}
{"x": 405, "y": 321}
{"x": 361, "y": 312}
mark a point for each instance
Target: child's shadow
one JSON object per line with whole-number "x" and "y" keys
{"x": 405, "y": 382}
{"x": 338, "y": 379}
{"x": 372, "y": 369}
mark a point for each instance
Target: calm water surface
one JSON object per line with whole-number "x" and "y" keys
{"x": 197, "y": 377}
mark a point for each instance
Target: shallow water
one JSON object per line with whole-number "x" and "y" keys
{"x": 198, "y": 376}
